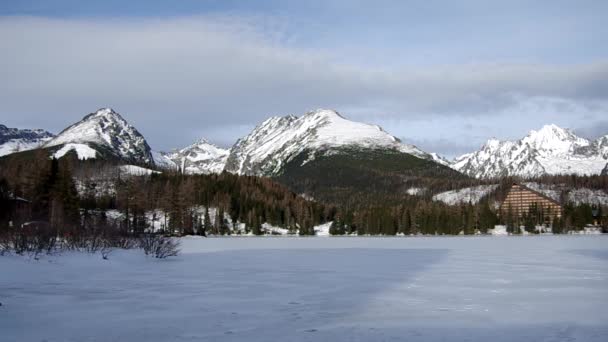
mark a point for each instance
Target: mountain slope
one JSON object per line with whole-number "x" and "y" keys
{"x": 550, "y": 150}
{"x": 16, "y": 140}
{"x": 353, "y": 176}
{"x": 278, "y": 140}
{"x": 334, "y": 160}
{"x": 201, "y": 157}
{"x": 100, "y": 133}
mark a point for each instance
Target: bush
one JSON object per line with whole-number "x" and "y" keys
{"x": 5, "y": 245}
{"x": 106, "y": 250}
{"x": 159, "y": 246}
{"x": 39, "y": 238}
{"x": 33, "y": 239}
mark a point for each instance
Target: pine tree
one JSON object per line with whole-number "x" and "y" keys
{"x": 337, "y": 227}
{"x": 206, "y": 226}
{"x": 256, "y": 227}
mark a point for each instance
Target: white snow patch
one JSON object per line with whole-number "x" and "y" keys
{"x": 134, "y": 170}
{"x": 415, "y": 191}
{"x": 465, "y": 195}
{"x": 322, "y": 229}
{"x": 163, "y": 161}
{"x": 274, "y": 230}
{"x": 498, "y": 230}
{"x": 83, "y": 151}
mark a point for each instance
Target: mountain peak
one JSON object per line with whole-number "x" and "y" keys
{"x": 202, "y": 141}
{"x": 554, "y": 138}
{"x": 106, "y": 128}
{"x": 323, "y": 113}
{"x": 492, "y": 143}
{"x": 551, "y": 130}
{"x": 280, "y": 139}
{"x": 105, "y": 111}
{"x": 202, "y": 157}
{"x": 549, "y": 150}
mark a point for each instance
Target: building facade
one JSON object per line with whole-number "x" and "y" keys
{"x": 521, "y": 200}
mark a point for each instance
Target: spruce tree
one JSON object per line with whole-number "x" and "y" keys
{"x": 206, "y": 227}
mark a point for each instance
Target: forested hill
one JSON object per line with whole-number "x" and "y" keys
{"x": 352, "y": 176}
{"x": 60, "y": 197}
{"x": 361, "y": 192}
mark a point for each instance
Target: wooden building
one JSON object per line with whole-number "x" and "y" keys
{"x": 521, "y": 199}
{"x": 19, "y": 210}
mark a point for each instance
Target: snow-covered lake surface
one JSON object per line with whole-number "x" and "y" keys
{"x": 316, "y": 289}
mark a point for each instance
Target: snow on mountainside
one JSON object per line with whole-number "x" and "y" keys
{"x": 161, "y": 160}
{"x": 550, "y": 150}
{"x": 571, "y": 195}
{"x": 201, "y": 157}
{"x": 278, "y": 140}
{"x": 83, "y": 151}
{"x": 439, "y": 159}
{"x": 556, "y": 192}
{"x": 465, "y": 195}
{"x": 14, "y": 140}
{"x": 108, "y": 130}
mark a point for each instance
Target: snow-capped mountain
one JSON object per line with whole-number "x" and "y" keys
{"x": 16, "y": 140}
{"x": 278, "y": 140}
{"x": 201, "y": 157}
{"x": 550, "y": 150}
{"x": 103, "y": 131}
{"x": 439, "y": 159}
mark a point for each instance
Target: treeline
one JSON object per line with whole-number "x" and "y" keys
{"x": 73, "y": 194}
{"x": 77, "y": 196}
{"x": 572, "y": 218}
{"x": 415, "y": 217}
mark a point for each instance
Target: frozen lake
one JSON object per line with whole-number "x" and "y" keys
{"x": 316, "y": 289}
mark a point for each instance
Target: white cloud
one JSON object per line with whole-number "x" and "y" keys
{"x": 209, "y": 72}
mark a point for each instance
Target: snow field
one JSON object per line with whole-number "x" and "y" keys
{"x": 309, "y": 289}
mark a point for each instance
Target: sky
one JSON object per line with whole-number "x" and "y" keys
{"x": 444, "y": 75}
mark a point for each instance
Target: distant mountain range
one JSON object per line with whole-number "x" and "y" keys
{"x": 551, "y": 150}
{"x": 202, "y": 157}
{"x": 14, "y": 140}
{"x": 277, "y": 143}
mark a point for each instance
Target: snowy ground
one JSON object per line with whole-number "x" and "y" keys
{"x": 547, "y": 288}
{"x": 465, "y": 195}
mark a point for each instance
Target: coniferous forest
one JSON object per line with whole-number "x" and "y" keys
{"x": 75, "y": 196}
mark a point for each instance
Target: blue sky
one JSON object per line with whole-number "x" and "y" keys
{"x": 445, "y": 75}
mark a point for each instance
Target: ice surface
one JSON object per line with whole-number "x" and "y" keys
{"x": 548, "y": 288}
